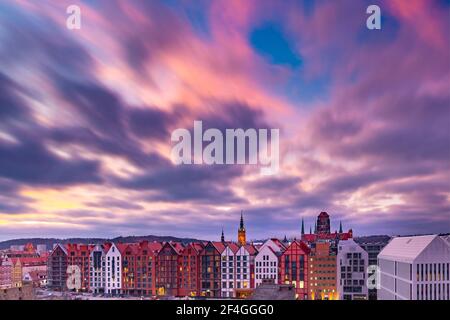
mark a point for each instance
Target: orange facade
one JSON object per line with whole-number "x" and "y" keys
{"x": 322, "y": 280}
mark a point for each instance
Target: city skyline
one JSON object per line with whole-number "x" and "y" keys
{"x": 86, "y": 117}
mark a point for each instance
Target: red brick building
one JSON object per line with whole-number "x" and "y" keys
{"x": 167, "y": 269}
{"x": 139, "y": 267}
{"x": 189, "y": 267}
{"x": 210, "y": 271}
{"x": 293, "y": 266}
{"x": 78, "y": 255}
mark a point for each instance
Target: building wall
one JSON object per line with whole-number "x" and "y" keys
{"x": 210, "y": 271}
{"x": 16, "y": 275}
{"x": 190, "y": 271}
{"x": 352, "y": 266}
{"x": 243, "y": 263}
{"x": 5, "y": 273}
{"x": 113, "y": 271}
{"x": 266, "y": 265}
{"x": 426, "y": 277}
{"x": 294, "y": 269}
{"x": 97, "y": 269}
{"x": 78, "y": 255}
{"x": 228, "y": 265}
{"x": 373, "y": 249}
{"x": 56, "y": 269}
{"x": 25, "y": 292}
{"x": 323, "y": 277}
{"x": 168, "y": 275}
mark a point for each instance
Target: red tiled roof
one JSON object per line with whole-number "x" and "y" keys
{"x": 233, "y": 247}
{"x": 251, "y": 249}
{"x": 220, "y": 246}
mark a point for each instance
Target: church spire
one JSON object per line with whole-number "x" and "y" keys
{"x": 310, "y": 229}
{"x": 340, "y": 226}
{"x": 303, "y": 227}
{"x": 222, "y": 238}
{"x": 241, "y": 232}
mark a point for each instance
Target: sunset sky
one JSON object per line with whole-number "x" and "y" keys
{"x": 86, "y": 116}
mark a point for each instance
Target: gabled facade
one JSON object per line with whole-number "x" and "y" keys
{"x": 97, "y": 269}
{"x": 266, "y": 264}
{"x": 210, "y": 270}
{"x": 352, "y": 263}
{"x": 228, "y": 270}
{"x": 294, "y": 268}
{"x": 189, "y": 267}
{"x": 415, "y": 268}
{"x": 168, "y": 280}
{"x": 113, "y": 278}
{"x": 57, "y": 268}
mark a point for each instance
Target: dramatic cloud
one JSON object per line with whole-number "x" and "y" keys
{"x": 86, "y": 116}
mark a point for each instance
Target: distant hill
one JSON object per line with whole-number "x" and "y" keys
{"x": 128, "y": 239}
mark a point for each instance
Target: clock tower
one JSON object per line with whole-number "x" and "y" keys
{"x": 241, "y": 232}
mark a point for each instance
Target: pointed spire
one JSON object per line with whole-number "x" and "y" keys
{"x": 340, "y": 226}
{"x": 285, "y": 240}
{"x": 222, "y": 238}
{"x": 310, "y": 229}
{"x": 241, "y": 226}
{"x": 303, "y": 227}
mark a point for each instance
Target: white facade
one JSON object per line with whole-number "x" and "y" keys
{"x": 113, "y": 279}
{"x": 266, "y": 265}
{"x": 415, "y": 268}
{"x": 228, "y": 271}
{"x": 97, "y": 269}
{"x": 243, "y": 262}
{"x": 352, "y": 263}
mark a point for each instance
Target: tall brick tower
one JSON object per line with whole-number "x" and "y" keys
{"x": 241, "y": 232}
{"x": 323, "y": 223}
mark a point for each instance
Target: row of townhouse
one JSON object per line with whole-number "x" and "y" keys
{"x": 212, "y": 269}
{"x": 220, "y": 269}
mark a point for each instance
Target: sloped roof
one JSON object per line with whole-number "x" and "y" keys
{"x": 251, "y": 249}
{"x": 406, "y": 248}
{"x": 233, "y": 247}
{"x": 220, "y": 246}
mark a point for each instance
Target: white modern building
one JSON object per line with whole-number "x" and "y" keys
{"x": 97, "y": 269}
{"x": 113, "y": 278}
{"x": 229, "y": 270}
{"x": 415, "y": 268}
{"x": 245, "y": 258}
{"x": 352, "y": 263}
{"x": 266, "y": 261}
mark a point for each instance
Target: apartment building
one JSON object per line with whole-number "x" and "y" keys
{"x": 113, "y": 278}
{"x": 322, "y": 276}
{"x": 352, "y": 263}
{"x": 415, "y": 268}
{"x": 294, "y": 268}
{"x": 57, "y": 268}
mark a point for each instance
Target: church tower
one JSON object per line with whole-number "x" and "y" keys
{"x": 241, "y": 232}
